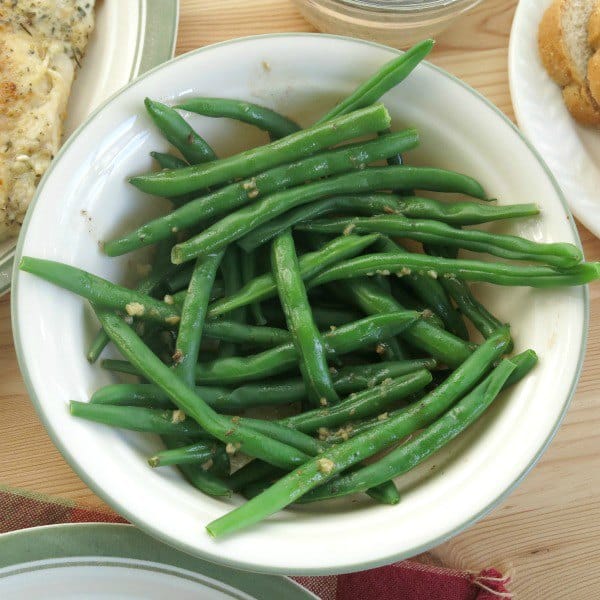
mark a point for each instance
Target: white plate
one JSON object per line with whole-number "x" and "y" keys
{"x": 307, "y": 75}
{"x": 128, "y": 39}
{"x": 571, "y": 151}
{"x": 112, "y": 562}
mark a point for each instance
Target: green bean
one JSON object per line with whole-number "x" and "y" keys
{"x": 430, "y": 292}
{"x": 366, "y": 403}
{"x": 119, "y": 366}
{"x": 230, "y": 197}
{"x": 311, "y": 264}
{"x": 306, "y": 338}
{"x": 149, "y": 420}
{"x": 390, "y": 349}
{"x": 177, "y": 131}
{"x": 99, "y": 342}
{"x": 251, "y": 162}
{"x": 244, "y": 439}
{"x": 239, "y": 223}
{"x": 150, "y": 284}
{"x": 133, "y": 394}
{"x": 523, "y": 362}
{"x": 368, "y": 204}
{"x": 292, "y": 437}
{"x": 199, "y": 452}
{"x": 559, "y": 255}
{"x": 275, "y": 124}
{"x": 485, "y": 322}
{"x": 100, "y": 291}
{"x": 345, "y": 339}
{"x": 442, "y": 345}
{"x": 168, "y": 161}
{"x": 193, "y": 314}
{"x": 338, "y": 458}
{"x": 232, "y": 281}
{"x": 470, "y": 270}
{"x": 413, "y": 452}
{"x": 228, "y": 331}
{"x": 385, "y": 493}
{"x": 390, "y": 75}
{"x": 460, "y": 213}
{"x": 249, "y": 268}
{"x": 207, "y": 482}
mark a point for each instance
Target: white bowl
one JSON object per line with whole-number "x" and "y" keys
{"x": 85, "y": 198}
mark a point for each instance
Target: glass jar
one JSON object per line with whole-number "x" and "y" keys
{"x": 398, "y": 23}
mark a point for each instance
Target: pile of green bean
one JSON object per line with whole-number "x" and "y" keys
{"x": 281, "y": 280}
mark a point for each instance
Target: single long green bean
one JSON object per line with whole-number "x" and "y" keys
{"x": 251, "y": 162}
{"x": 179, "y": 133}
{"x": 367, "y": 204}
{"x": 198, "y": 452}
{"x": 149, "y": 420}
{"x": 338, "y": 458}
{"x": 101, "y": 291}
{"x": 232, "y": 281}
{"x": 460, "y": 213}
{"x": 306, "y": 338}
{"x": 193, "y": 313}
{"x": 239, "y": 223}
{"x": 559, "y": 255}
{"x": 429, "y": 291}
{"x": 249, "y": 269}
{"x": 264, "y": 286}
{"x": 230, "y": 197}
{"x": 168, "y": 161}
{"x": 275, "y": 124}
{"x": 244, "y": 439}
{"x": 366, "y": 403}
{"x": 387, "y": 77}
{"x": 345, "y": 339}
{"x": 470, "y": 270}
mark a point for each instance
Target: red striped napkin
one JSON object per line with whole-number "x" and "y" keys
{"x": 407, "y": 580}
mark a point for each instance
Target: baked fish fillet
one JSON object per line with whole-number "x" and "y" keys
{"x": 41, "y": 46}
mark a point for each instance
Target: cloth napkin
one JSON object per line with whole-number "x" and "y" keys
{"x": 407, "y": 580}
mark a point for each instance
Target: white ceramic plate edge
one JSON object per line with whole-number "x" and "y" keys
{"x": 29, "y": 550}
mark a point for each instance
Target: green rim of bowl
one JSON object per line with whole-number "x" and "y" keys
{"x": 149, "y": 527}
{"x": 83, "y": 544}
{"x": 156, "y": 39}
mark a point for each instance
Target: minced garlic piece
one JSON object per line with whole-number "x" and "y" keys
{"x": 135, "y": 309}
{"x": 325, "y": 465}
{"x": 178, "y": 416}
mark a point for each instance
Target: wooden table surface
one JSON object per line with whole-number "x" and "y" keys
{"x": 546, "y": 535}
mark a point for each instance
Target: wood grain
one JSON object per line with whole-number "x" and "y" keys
{"x": 547, "y": 533}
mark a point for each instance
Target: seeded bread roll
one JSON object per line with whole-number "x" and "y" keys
{"x": 567, "y": 56}
{"x": 581, "y": 105}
